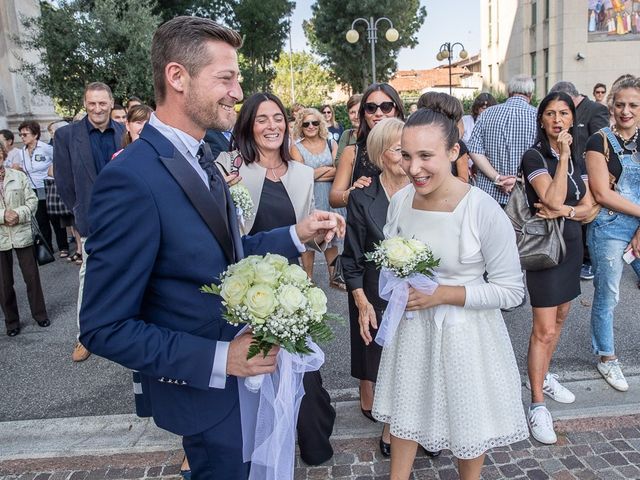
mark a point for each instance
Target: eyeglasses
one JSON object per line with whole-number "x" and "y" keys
{"x": 22, "y": 135}
{"x": 395, "y": 151}
{"x": 385, "y": 107}
{"x": 600, "y": 91}
{"x": 315, "y": 123}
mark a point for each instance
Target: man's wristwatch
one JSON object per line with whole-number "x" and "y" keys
{"x": 572, "y": 212}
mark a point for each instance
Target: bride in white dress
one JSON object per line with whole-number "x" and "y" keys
{"x": 454, "y": 384}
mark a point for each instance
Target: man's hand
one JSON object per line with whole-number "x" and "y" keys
{"x": 320, "y": 226}
{"x": 11, "y": 217}
{"x": 239, "y": 366}
{"x": 232, "y": 179}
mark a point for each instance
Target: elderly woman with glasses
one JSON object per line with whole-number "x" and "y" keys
{"x": 317, "y": 149}
{"x": 36, "y": 159}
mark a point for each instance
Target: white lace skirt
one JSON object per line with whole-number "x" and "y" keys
{"x": 454, "y": 388}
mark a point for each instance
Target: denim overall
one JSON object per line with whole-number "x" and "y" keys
{"x": 607, "y": 238}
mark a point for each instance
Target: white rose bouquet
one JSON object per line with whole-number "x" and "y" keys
{"x": 403, "y": 263}
{"x": 242, "y": 200}
{"x": 282, "y": 307}
{"x": 277, "y": 300}
{"x": 404, "y": 257}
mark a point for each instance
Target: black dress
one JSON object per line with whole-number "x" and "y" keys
{"x": 560, "y": 284}
{"x": 363, "y": 167}
{"x": 366, "y": 216}
{"x": 316, "y": 417}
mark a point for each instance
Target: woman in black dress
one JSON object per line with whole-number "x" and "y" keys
{"x": 355, "y": 170}
{"x": 556, "y": 185}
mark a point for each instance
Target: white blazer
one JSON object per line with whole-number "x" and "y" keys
{"x": 297, "y": 181}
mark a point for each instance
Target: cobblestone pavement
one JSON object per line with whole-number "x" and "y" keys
{"x": 598, "y": 448}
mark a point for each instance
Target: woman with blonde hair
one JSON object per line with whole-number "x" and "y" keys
{"x": 367, "y": 213}
{"x": 317, "y": 150}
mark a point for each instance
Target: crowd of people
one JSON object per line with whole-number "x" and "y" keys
{"x": 115, "y": 181}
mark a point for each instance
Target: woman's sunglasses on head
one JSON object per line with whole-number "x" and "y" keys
{"x": 315, "y": 123}
{"x": 385, "y": 107}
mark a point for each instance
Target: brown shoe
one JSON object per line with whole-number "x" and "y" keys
{"x": 80, "y": 354}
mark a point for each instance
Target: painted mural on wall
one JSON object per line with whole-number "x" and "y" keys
{"x": 613, "y": 20}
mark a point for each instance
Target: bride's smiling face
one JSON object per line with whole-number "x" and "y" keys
{"x": 425, "y": 157}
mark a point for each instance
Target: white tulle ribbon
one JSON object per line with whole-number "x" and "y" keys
{"x": 269, "y": 417}
{"x": 240, "y": 215}
{"x": 396, "y": 291}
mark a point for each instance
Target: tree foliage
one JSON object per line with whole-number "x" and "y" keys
{"x": 219, "y": 10}
{"x": 313, "y": 84}
{"x": 351, "y": 63}
{"x": 82, "y": 42}
{"x": 264, "y": 25}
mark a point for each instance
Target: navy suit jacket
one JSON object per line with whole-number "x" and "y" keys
{"x": 156, "y": 236}
{"x": 217, "y": 141}
{"x": 74, "y": 168}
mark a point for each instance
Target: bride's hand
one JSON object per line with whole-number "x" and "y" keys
{"x": 420, "y": 301}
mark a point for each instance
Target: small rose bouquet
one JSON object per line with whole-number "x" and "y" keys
{"x": 242, "y": 200}
{"x": 404, "y": 257}
{"x": 403, "y": 263}
{"x": 277, "y": 300}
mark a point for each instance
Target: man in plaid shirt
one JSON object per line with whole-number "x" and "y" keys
{"x": 500, "y": 137}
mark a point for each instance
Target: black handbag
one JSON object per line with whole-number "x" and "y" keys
{"x": 540, "y": 241}
{"x": 43, "y": 251}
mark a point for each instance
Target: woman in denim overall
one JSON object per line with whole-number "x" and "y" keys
{"x": 617, "y": 225}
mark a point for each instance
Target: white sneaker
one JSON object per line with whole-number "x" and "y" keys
{"x": 612, "y": 373}
{"x": 541, "y": 425}
{"x": 554, "y": 390}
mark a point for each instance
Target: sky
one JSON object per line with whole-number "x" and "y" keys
{"x": 446, "y": 21}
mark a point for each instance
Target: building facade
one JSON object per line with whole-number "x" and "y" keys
{"x": 581, "y": 41}
{"x": 17, "y": 101}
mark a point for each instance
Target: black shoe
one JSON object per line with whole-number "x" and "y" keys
{"x": 367, "y": 413}
{"x": 431, "y": 454}
{"x": 44, "y": 323}
{"x": 13, "y": 332}
{"x": 385, "y": 448}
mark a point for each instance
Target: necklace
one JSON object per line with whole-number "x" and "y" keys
{"x": 632, "y": 143}
{"x": 570, "y": 171}
{"x": 274, "y": 171}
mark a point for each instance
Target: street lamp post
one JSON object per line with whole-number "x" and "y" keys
{"x": 446, "y": 51}
{"x": 372, "y": 29}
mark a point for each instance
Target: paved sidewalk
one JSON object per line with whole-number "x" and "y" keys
{"x": 598, "y": 438}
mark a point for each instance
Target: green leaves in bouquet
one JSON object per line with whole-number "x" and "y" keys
{"x": 212, "y": 288}
{"x": 427, "y": 265}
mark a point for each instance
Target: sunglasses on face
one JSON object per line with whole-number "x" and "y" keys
{"x": 327, "y": 112}
{"x": 600, "y": 92}
{"x": 315, "y": 123}
{"x": 385, "y": 107}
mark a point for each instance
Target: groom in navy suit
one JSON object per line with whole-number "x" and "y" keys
{"x": 161, "y": 225}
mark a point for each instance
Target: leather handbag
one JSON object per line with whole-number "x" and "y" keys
{"x": 43, "y": 251}
{"x": 540, "y": 240}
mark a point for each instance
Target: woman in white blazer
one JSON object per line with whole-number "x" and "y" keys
{"x": 282, "y": 194}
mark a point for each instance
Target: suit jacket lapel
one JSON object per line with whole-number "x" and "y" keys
{"x": 210, "y": 211}
{"x": 83, "y": 144}
{"x": 379, "y": 204}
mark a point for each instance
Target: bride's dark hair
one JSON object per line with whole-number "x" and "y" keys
{"x": 436, "y": 116}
